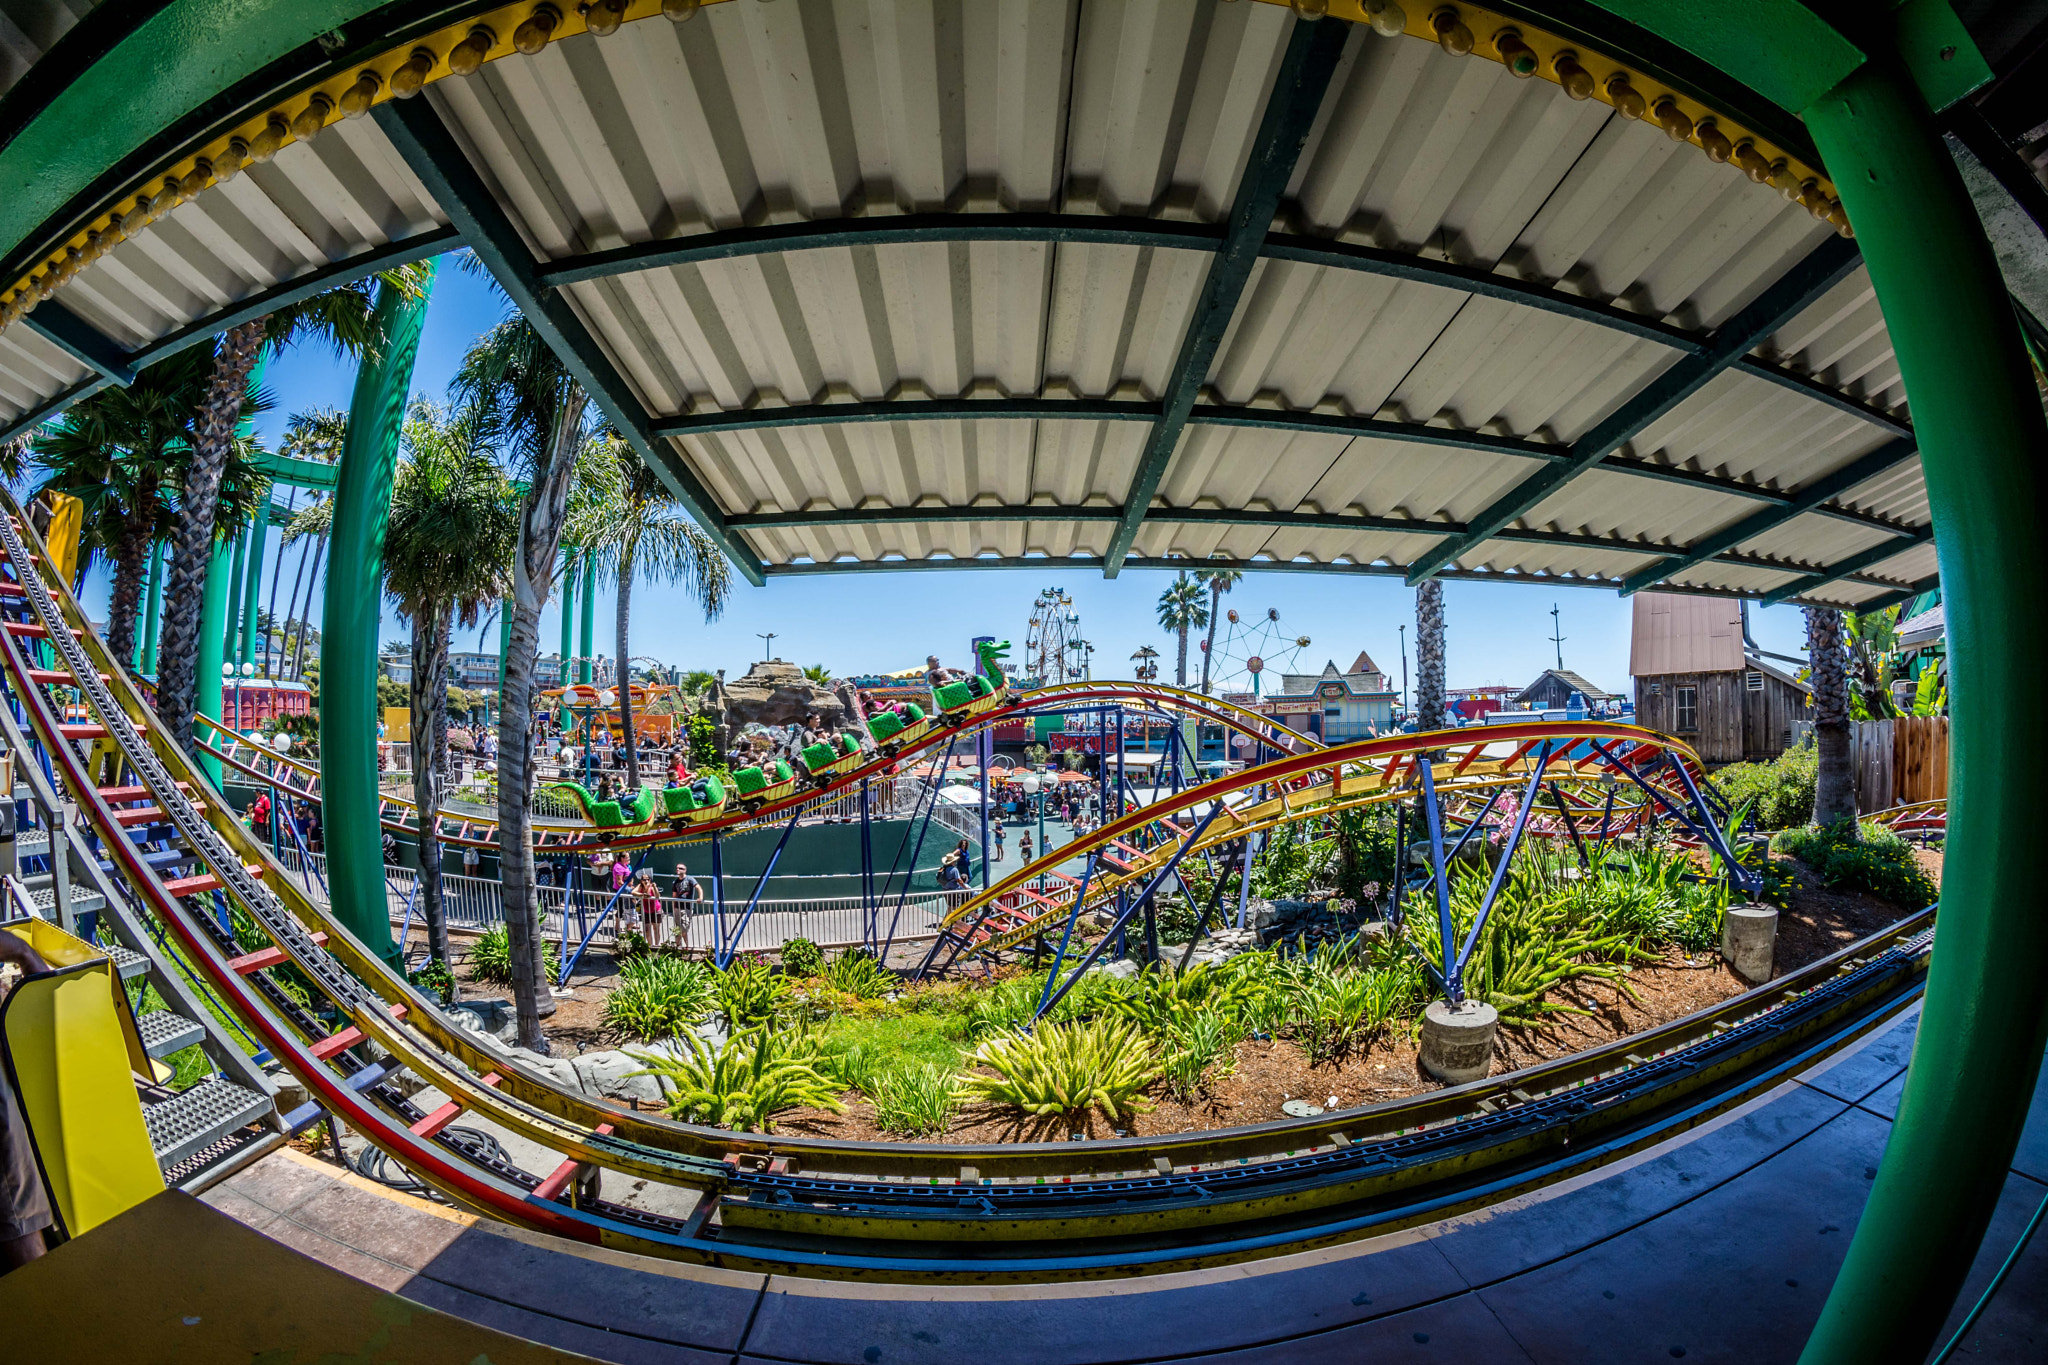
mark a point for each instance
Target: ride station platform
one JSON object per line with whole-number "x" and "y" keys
{"x": 1717, "y": 1245}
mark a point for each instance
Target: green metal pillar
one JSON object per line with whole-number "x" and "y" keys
{"x": 253, "y": 582}
{"x": 237, "y": 577}
{"x": 1984, "y": 447}
{"x": 213, "y": 622}
{"x": 568, "y": 627}
{"x": 585, "y": 671}
{"x": 153, "y": 597}
{"x": 352, "y": 613}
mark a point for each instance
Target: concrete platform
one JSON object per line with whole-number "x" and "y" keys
{"x": 1717, "y": 1246}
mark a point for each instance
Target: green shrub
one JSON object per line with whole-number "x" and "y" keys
{"x": 801, "y": 957}
{"x": 915, "y": 1101}
{"x": 857, "y": 974}
{"x": 746, "y": 1082}
{"x": 434, "y": 979}
{"x": 1341, "y": 1008}
{"x": 1780, "y": 793}
{"x": 490, "y": 957}
{"x": 658, "y": 997}
{"x": 859, "y": 1050}
{"x": 751, "y": 994}
{"x": 1193, "y": 1046}
{"x": 631, "y": 943}
{"x": 1880, "y": 862}
{"x": 1067, "y": 1069}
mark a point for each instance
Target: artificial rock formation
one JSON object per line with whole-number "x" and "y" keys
{"x": 773, "y": 693}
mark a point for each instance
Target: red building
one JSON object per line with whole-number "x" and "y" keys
{"x": 260, "y": 699}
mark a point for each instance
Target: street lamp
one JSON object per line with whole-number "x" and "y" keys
{"x": 229, "y": 672}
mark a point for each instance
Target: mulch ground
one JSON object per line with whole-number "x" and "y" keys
{"x": 1818, "y": 923}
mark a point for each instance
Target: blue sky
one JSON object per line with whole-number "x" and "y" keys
{"x": 1497, "y": 633}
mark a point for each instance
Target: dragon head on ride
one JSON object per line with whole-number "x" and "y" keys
{"x": 992, "y": 653}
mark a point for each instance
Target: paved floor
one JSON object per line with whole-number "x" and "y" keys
{"x": 1717, "y": 1246}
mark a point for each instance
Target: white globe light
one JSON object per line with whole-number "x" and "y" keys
{"x": 607, "y": 697}
{"x": 1029, "y": 782}
{"x": 248, "y": 670}
{"x": 281, "y": 742}
{"x": 227, "y": 669}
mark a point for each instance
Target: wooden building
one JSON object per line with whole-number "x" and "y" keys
{"x": 1697, "y": 681}
{"x": 1553, "y": 692}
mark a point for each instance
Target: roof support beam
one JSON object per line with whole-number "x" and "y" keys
{"x": 1806, "y": 500}
{"x": 1171, "y": 235}
{"x": 1876, "y": 554}
{"x": 1179, "y": 516}
{"x": 1298, "y": 89}
{"x": 1213, "y": 414}
{"x": 1927, "y": 584}
{"x": 1823, "y": 268}
{"x": 416, "y": 129}
{"x": 79, "y": 339}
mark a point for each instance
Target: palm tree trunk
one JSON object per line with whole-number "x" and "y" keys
{"x": 284, "y": 627}
{"x": 430, "y": 626}
{"x": 540, "y": 538}
{"x": 1429, "y": 655}
{"x": 1834, "y": 790}
{"x": 131, "y": 565}
{"x": 1180, "y": 672}
{"x": 299, "y": 646}
{"x": 623, "y": 645}
{"x": 1209, "y": 640}
{"x": 192, "y": 546}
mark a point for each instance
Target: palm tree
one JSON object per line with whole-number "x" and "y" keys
{"x": 1429, "y": 655}
{"x": 1834, "y": 790}
{"x": 511, "y": 372}
{"x": 341, "y": 317}
{"x": 1220, "y": 581}
{"x": 635, "y": 526}
{"x": 123, "y": 453}
{"x": 447, "y": 557}
{"x": 1181, "y": 609}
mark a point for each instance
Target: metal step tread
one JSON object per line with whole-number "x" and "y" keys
{"x": 164, "y": 1032}
{"x": 197, "y": 1118}
{"x": 32, "y": 843}
{"x": 126, "y": 960}
{"x": 82, "y": 898}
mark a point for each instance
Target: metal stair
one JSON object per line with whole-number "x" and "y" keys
{"x": 223, "y": 1121}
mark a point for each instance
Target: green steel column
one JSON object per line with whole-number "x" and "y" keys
{"x": 352, "y": 613}
{"x": 1984, "y": 447}
{"x": 585, "y": 670}
{"x": 213, "y": 621}
{"x": 253, "y": 582}
{"x": 153, "y": 596}
{"x": 236, "y": 576}
{"x": 568, "y": 627}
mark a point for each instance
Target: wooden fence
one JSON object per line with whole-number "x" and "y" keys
{"x": 1899, "y": 762}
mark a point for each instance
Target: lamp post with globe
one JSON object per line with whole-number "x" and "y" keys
{"x": 230, "y": 672}
{"x": 282, "y": 744}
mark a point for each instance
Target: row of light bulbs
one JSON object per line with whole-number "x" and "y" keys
{"x": 604, "y": 17}
{"x": 1454, "y": 36}
{"x": 601, "y": 17}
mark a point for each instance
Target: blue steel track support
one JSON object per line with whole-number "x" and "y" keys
{"x": 910, "y": 873}
{"x": 1434, "y": 817}
{"x": 717, "y": 889}
{"x": 867, "y": 869}
{"x": 727, "y": 950}
{"x": 1066, "y": 937}
{"x": 1124, "y": 915}
{"x": 1500, "y": 872}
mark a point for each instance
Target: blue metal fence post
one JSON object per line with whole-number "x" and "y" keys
{"x": 867, "y": 870}
{"x": 717, "y": 889}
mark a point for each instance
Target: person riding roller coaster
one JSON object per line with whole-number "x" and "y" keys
{"x": 965, "y": 697}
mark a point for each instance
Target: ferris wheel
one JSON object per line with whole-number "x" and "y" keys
{"x": 1250, "y": 646}
{"x": 1054, "y": 651}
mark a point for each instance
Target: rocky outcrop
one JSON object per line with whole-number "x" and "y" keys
{"x": 773, "y": 693}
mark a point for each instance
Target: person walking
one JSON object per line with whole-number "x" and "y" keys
{"x": 1024, "y": 846}
{"x": 966, "y": 861}
{"x": 998, "y": 856}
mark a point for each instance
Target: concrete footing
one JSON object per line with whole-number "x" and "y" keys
{"x": 1749, "y": 941}
{"x": 1457, "y": 1041}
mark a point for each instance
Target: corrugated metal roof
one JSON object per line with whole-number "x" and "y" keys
{"x": 830, "y": 112}
{"x": 1676, "y": 634}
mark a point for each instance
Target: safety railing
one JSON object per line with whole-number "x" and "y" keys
{"x": 474, "y": 904}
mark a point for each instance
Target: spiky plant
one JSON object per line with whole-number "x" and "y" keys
{"x": 745, "y": 1082}
{"x": 1069, "y": 1069}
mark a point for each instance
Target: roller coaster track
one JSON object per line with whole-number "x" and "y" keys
{"x": 400, "y": 814}
{"x": 345, "y": 1025}
{"x": 1471, "y": 766}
